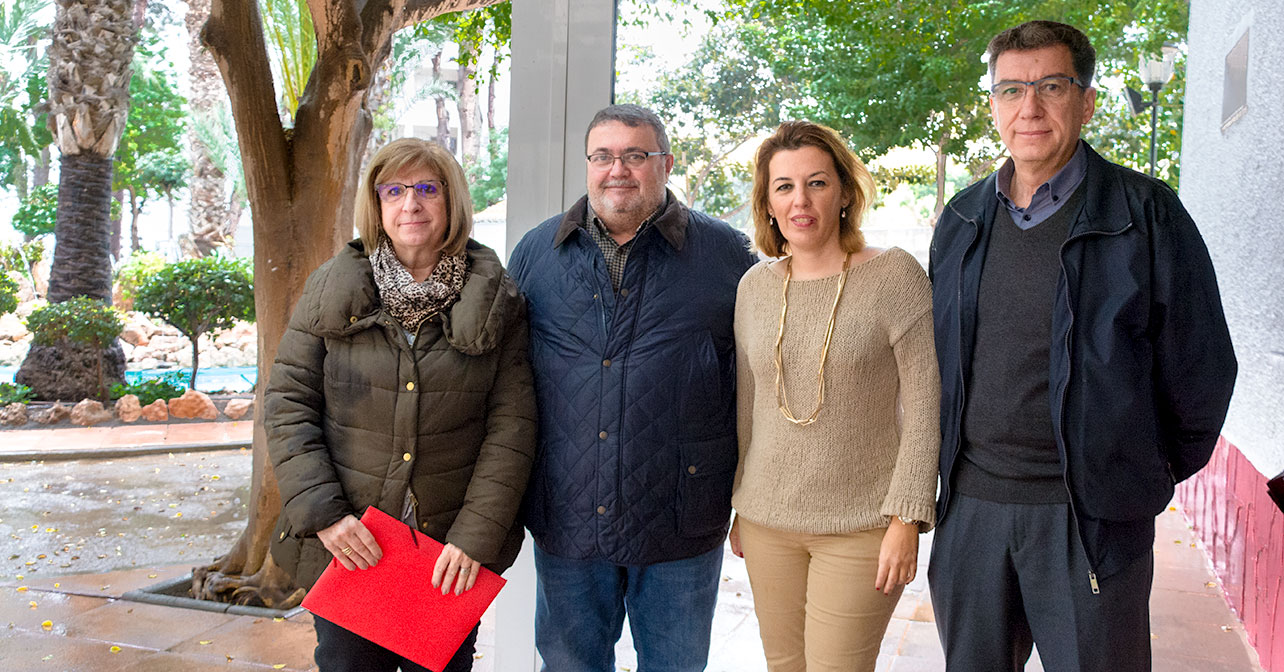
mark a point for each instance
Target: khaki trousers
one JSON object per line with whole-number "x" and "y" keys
{"x": 815, "y": 599}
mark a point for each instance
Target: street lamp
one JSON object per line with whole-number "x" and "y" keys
{"x": 1155, "y": 73}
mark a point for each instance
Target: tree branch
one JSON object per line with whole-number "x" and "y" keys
{"x": 234, "y": 36}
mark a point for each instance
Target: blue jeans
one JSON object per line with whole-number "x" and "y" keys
{"x": 580, "y": 607}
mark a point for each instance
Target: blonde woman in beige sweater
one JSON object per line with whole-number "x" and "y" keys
{"x": 837, "y": 401}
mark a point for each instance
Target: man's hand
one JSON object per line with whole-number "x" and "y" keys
{"x": 351, "y": 543}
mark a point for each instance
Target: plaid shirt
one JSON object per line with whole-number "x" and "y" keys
{"x": 615, "y": 254}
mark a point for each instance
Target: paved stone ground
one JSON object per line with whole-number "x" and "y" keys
{"x": 107, "y": 526}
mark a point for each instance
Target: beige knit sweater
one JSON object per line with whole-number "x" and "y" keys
{"x": 863, "y": 460}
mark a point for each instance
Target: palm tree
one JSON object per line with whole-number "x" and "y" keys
{"x": 90, "y": 63}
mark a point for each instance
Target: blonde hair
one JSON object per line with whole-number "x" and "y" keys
{"x": 405, "y": 153}
{"x": 853, "y": 178}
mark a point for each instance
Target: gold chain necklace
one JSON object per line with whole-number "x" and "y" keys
{"x": 782, "y": 397}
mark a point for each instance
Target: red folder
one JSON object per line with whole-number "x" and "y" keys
{"x": 393, "y": 604}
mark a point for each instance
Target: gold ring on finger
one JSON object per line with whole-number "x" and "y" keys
{"x": 346, "y": 550}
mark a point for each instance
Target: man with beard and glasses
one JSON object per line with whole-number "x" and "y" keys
{"x": 631, "y": 298}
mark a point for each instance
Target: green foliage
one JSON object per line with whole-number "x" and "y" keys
{"x": 135, "y": 271}
{"x": 148, "y": 390}
{"x": 215, "y": 130}
{"x": 38, "y": 212}
{"x": 23, "y": 88}
{"x": 287, "y": 25}
{"x": 21, "y": 257}
{"x": 473, "y": 30}
{"x": 79, "y": 319}
{"x": 14, "y": 393}
{"x": 907, "y": 74}
{"x": 149, "y": 158}
{"x": 197, "y": 296}
{"x": 8, "y": 294}
{"x": 487, "y": 183}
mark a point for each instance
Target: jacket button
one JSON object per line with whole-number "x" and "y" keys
{"x": 410, "y": 386}
{"x": 353, "y": 319}
{"x": 606, "y": 363}
{"x": 282, "y": 536}
{"x": 601, "y": 435}
{"x": 624, "y": 291}
{"x": 423, "y": 525}
{"x": 601, "y": 510}
{"x": 405, "y": 457}
{"x": 691, "y": 469}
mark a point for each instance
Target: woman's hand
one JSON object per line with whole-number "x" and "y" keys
{"x": 351, "y": 543}
{"x": 734, "y": 537}
{"x": 454, "y": 567}
{"x": 897, "y": 557}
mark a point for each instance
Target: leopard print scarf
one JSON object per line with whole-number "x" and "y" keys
{"x": 413, "y": 302}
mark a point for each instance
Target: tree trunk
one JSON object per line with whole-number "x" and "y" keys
{"x": 40, "y": 174}
{"x": 82, "y": 253}
{"x": 443, "y": 117}
{"x": 196, "y": 358}
{"x": 469, "y": 145}
{"x": 301, "y": 190}
{"x": 117, "y": 221}
{"x": 207, "y": 211}
{"x": 490, "y": 100}
{"x": 941, "y": 158}
{"x": 135, "y": 213}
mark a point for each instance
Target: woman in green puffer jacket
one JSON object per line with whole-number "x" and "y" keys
{"x": 403, "y": 383}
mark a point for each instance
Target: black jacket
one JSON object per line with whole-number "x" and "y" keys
{"x": 1141, "y": 367}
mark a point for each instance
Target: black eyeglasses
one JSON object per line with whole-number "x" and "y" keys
{"x": 603, "y": 160}
{"x": 391, "y": 192}
{"x": 1053, "y": 88}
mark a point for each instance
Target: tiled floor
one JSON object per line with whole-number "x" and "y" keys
{"x": 89, "y": 628}
{"x": 78, "y": 622}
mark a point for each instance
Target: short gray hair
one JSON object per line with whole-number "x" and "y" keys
{"x": 632, "y": 116}
{"x": 1033, "y": 35}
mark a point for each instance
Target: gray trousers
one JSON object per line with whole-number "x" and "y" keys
{"x": 1005, "y": 577}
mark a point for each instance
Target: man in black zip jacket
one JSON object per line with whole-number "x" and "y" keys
{"x": 1086, "y": 368}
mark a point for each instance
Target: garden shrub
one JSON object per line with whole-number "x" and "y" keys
{"x": 13, "y": 393}
{"x": 198, "y": 296}
{"x": 149, "y": 390}
{"x": 80, "y": 319}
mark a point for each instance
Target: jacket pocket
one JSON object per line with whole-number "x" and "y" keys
{"x": 303, "y": 558}
{"x": 704, "y": 486}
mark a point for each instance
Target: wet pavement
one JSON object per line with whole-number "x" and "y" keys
{"x": 82, "y": 516}
{"x": 80, "y": 533}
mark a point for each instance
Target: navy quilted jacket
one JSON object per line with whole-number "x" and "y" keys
{"x": 636, "y": 389}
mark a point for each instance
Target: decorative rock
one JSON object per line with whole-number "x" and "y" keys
{"x": 128, "y": 409}
{"x": 56, "y": 413}
{"x": 193, "y": 404}
{"x": 156, "y": 411}
{"x": 237, "y": 408}
{"x": 14, "y": 414}
{"x": 68, "y": 370}
{"x": 135, "y": 335}
{"x": 89, "y": 412}
{"x": 11, "y": 327}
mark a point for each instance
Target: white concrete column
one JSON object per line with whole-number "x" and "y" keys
{"x": 563, "y": 72}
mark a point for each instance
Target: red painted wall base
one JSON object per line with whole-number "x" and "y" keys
{"x": 1232, "y": 512}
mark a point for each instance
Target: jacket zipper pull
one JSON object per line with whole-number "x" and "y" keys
{"x": 1092, "y": 579}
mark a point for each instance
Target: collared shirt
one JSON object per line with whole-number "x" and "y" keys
{"x": 615, "y": 254}
{"x": 1050, "y": 195}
